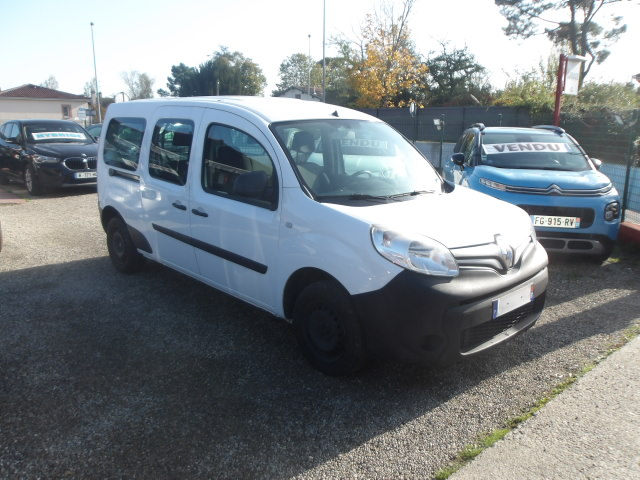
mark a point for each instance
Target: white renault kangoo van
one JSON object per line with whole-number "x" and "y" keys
{"x": 323, "y": 216}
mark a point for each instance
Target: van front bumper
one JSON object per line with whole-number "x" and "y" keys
{"x": 431, "y": 320}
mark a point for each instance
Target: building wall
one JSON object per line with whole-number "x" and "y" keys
{"x": 16, "y": 109}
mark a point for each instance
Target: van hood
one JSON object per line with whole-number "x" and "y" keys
{"x": 566, "y": 180}
{"x": 461, "y": 218}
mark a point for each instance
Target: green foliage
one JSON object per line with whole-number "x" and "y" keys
{"x": 534, "y": 89}
{"x": 597, "y": 96}
{"x": 456, "y": 79}
{"x": 227, "y": 73}
{"x": 299, "y": 70}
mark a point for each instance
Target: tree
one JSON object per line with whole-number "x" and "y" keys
{"x": 534, "y": 89}
{"x": 457, "y": 79}
{"x": 227, "y": 73}
{"x": 577, "y": 31}
{"x": 612, "y": 96}
{"x": 299, "y": 70}
{"x": 181, "y": 83}
{"x": 50, "y": 82}
{"x": 390, "y": 72}
{"x": 139, "y": 85}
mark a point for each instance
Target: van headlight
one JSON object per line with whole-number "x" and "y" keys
{"x": 414, "y": 252}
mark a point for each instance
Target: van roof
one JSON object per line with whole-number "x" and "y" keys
{"x": 270, "y": 109}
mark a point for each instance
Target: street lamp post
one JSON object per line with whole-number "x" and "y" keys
{"x": 95, "y": 73}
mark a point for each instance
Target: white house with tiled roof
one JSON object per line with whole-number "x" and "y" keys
{"x": 33, "y": 101}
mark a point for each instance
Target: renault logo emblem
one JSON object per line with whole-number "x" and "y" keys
{"x": 506, "y": 252}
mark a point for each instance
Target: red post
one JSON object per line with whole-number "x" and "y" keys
{"x": 559, "y": 88}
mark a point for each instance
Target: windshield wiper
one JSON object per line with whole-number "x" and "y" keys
{"x": 354, "y": 196}
{"x": 410, "y": 194}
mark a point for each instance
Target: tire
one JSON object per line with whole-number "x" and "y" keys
{"x": 327, "y": 329}
{"x": 123, "y": 253}
{"x": 31, "y": 182}
{"x": 608, "y": 250}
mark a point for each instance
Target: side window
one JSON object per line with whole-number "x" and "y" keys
{"x": 468, "y": 146}
{"x": 12, "y": 131}
{"x": 170, "y": 150}
{"x": 122, "y": 142}
{"x": 235, "y": 165}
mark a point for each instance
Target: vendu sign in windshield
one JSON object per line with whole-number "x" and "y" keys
{"x": 544, "y": 155}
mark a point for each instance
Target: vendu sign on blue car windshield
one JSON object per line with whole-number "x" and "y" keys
{"x": 496, "y": 148}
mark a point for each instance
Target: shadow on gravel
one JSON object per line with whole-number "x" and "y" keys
{"x": 155, "y": 375}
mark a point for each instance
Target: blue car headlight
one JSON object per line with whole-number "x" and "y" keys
{"x": 491, "y": 184}
{"x": 612, "y": 211}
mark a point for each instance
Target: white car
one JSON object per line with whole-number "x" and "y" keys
{"x": 323, "y": 216}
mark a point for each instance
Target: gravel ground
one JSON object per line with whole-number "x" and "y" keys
{"x": 154, "y": 375}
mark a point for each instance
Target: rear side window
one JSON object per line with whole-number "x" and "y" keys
{"x": 235, "y": 165}
{"x": 122, "y": 142}
{"x": 170, "y": 150}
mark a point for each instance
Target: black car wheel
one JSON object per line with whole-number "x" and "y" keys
{"x": 328, "y": 330}
{"x": 122, "y": 251}
{"x": 31, "y": 182}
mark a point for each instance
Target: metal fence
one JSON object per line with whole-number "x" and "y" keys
{"x": 612, "y": 137}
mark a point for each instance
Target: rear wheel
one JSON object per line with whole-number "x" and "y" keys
{"x": 31, "y": 181}
{"x": 122, "y": 251}
{"x": 328, "y": 330}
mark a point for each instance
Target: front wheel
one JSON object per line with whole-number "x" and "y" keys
{"x": 122, "y": 251}
{"x": 31, "y": 181}
{"x": 328, "y": 330}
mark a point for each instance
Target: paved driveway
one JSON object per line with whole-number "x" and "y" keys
{"x": 154, "y": 375}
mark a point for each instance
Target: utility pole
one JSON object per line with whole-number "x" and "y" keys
{"x": 95, "y": 73}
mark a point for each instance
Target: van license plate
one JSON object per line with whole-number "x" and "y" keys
{"x": 555, "y": 222}
{"x": 513, "y": 300}
{"x": 85, "y": 175}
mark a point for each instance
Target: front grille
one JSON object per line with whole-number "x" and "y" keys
{"x": 479, "y": 334}
{"x": 556, "y": 190}
{"x": 586, "y": 215}
{"x": 80, "y": 163}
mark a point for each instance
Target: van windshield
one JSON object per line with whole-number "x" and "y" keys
{"x": 355, "y": 159}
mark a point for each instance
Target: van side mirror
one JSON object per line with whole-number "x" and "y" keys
{"x": 597, "y": 163}
{"x": 250, "y": 184}
{"x": 458, "y": 159}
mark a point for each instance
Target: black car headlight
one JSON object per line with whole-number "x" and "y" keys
{"x": 39, "y": 159}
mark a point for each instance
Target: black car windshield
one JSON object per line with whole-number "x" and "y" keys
{"x": 356, "y": 160}
{"x": 532, "y": 150}
{"x": 53, "y": 132}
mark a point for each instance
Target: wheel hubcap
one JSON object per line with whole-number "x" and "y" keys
{"x": 324, "y": 331}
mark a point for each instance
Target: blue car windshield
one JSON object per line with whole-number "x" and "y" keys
{"x": 355, "y": 159}
{"x": 532, "y": 150}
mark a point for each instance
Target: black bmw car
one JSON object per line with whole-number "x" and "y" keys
{"x": 46, "y": 154}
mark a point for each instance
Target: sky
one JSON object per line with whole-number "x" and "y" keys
{"x": 42, "y": 38}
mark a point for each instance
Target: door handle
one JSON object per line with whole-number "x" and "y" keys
{"x": 179, "y": 206}
{"x": 199, "y": 212}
